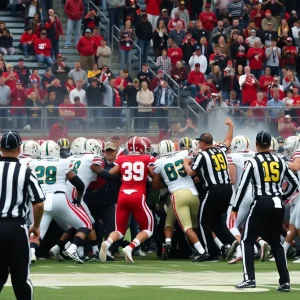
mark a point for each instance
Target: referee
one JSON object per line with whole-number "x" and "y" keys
{"x": 18, "y": 187}
{"x": 266, "y": 172}
{"x": 211, "y": 167}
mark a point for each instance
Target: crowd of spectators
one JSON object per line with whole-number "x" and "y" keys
{"x": 226, "y": 54}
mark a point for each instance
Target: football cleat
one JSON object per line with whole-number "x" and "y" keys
{"x": 166, "y": 248}
{"x": 232, "y": 250}
{"x": 224, "y": 251}
{"x": 74, "y": 256}
{"x": 138, "y": 252}
{"x": 297, "y": 261}
{"x": 128, "y": 253}
{"x": 33, "y": 258}
{"x": 284, "y": 288}
{"x": 201, "y": 257}
{"x": 264, "y": 252}
{"x": 246, "y": 284}
{"x": 55, "y": 252}
{"x": 235, "y": 260}
{"x": 103, "y": 251}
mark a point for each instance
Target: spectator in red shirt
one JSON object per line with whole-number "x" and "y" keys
{"x": 67, "y": 111}
{"x": 80, "y": 113}
{"x": 266, "y": 80}
{"x": 27, "y": 41}
{"x": 97, "y": 36}
{"x": 286, "y": 127}
{"x": 289, "y": 54}
{"x": 18, "y": 99}
{"x": 87, "y": 48}
{"x": 257, "y": 14}
{"x": 175, "y": 54}
{"x": 258, "y": 114}
{"x": 248, "y": 84}
{"x": 173, "y": 22}
{"x": 42, "y": 49}
{"x": 58, "y": 131}
{"x": 208, "y": 19}
{"x": 195, "y": 79}
{"x": 36, "y": 88}
{"x": 153, "y": 11}
{"x": 256, "y": 57}
{"x": 91, "y": 20}
{"x": 11, "y": 77}
{"x": 203, "y": 96}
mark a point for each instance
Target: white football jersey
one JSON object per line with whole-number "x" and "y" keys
{"x": 24, "y": 160}
{"x": 51, "y": 173}
{"x": 81, "y": 164}
{"x": 239, "y": 160}
{"x": 295, "y": 155}
{"x": 172, "y": 171}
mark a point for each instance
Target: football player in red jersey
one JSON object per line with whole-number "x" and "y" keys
{"x": 134, "y": 169}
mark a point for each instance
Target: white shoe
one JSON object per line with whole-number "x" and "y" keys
{"x": 80, "y": 251}
{"x": 264, "y": 251}
{"x": 73, "y": 254}
{"x": 55, "y": 252}
{"x": 297, "y": 261}
{"x": 33, "y": 257}
{"x": 128, "y": 253}
{"x": 103, "y": 251}
{"x": 272, "y": 259}
{"x": 138, "y": 252}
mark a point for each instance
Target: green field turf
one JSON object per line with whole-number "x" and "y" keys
{"x": 151, "y": 278}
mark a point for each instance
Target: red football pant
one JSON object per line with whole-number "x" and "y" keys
{"x": 134, "y": 204}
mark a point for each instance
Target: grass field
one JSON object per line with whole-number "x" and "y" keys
{"x": 150, "y": 278}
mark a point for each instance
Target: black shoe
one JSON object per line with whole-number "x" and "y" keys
{"x": 211, "y": 259}
{"x": 284, "y": 288}
{"x": 166, "y": 248}
{"x": 246, "y": 284}
{"x": 201, "y": 257}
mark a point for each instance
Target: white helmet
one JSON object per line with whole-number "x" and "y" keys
{"x": 93, "y": 146}
{"x": 290, "y": 146}
{"x": 195, "y": 147}
{"x": 50, "y": 149}
{"x": 166, "y": 147}
{"x": 30, "y": 148}
{"x": 79, "y": 146}
{"x": 240, "y": 143}
{"x": 274, "y": 145}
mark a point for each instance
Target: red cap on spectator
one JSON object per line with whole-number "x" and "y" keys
{"x": 160, "y": 71}
{"x": 268, "y": 12}
{"x": 229, "y": 62}
{"x": 207, "y": 5}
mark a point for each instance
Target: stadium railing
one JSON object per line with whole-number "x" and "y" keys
{"x": 196, "y": 113}
{"x": 87, "y": 119}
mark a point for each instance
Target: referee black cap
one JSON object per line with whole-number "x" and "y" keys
{"x": 206, "y": 138}
{"x": 263, "y": 138}
{"x": 10, "y": 140}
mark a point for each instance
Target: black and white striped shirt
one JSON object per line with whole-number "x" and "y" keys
{"x": 213, "y": 166}
{"x": 18, "y": 186}
{"x": 235, "y": 9}
{"x": 266, "y": 172}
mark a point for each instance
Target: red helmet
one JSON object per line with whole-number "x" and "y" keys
{"x": 148, "y": 144}
{"x": 136, "y": 144}
{"x": 40, "y": 142}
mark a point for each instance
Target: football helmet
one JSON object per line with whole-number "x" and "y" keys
{"x": 30, "y": 148}
{"x": 290, "y": 146}
{"x": 93, "y": 146}
{"x": 79, "y": 146}
{"x": 166, "y": 147}
{"x": 40, "y": 142}
{"x": 148, "y": 144}
{"x": 50, "y": 149}
{"x": 136, "y": 144}
{"x": 185, "y": 143}
{"x": 274, "y": 145}
{"x": 63, "y": 143}
{"x": 240, "y": 143}
{"x": 102, "y": 145}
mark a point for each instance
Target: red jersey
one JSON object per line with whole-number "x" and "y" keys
{"x": 264, "y": 82}
{"x": 134, "y": 172}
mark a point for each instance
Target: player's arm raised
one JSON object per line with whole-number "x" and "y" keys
{"x": 229, "y": 135}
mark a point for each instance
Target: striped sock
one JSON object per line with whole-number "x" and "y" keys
{"x": 135, "y": 243}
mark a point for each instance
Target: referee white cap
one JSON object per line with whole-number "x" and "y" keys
{"x": 10, "y": 140}
{"x": 263, "y": 138}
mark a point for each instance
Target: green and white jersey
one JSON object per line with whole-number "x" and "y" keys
{"x": 51, "y": 173}
{"x": 172, "y": 171}
{"x": 81, "y": 165}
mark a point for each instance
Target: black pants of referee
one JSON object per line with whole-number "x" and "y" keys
{"x": 15, "y": 257}
{"x": 264, "y": 220}
{"x": 212, "y": 209}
